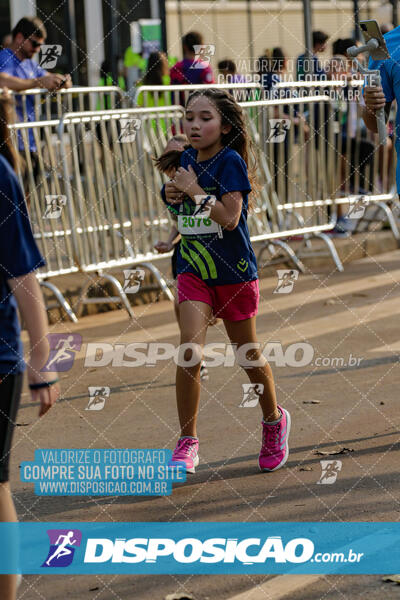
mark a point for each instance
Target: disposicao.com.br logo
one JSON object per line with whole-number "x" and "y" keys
{"x": 191, "y": 550}
{"x": 200, "y": 547}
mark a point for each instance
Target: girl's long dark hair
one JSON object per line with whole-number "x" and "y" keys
{"x": 6, "y": 147}
{"x": 237, "y": 138}
{"x": 172, "y": 158}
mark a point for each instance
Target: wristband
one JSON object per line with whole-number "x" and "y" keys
{"x": 43, "y": 384}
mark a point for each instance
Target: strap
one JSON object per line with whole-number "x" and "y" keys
{"x": 42, "y": 384}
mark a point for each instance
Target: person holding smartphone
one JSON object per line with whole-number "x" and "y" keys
{"x": 18, "y": 72}
{"x": 383, "y": 96}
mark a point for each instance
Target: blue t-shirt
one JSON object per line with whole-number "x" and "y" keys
{"x": 223, "y": 257}
{"x": 18, "y": 255}
{"x": 24, "y": 69}
{"x": 390, "y": 74}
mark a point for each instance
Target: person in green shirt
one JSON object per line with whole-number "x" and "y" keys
{"x": 157, "y": 74}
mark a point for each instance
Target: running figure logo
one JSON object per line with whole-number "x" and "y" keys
{"x": 357, "y": 210}
{"x": 330, "y": 471}
{"x": 54, "y": 207}
{"x": 97, "y": 397}
{"x": 278, "y": 130}
{"x": 48, "y": 55}
{"x": 251, "y": 394}
{"x": 203, "y": 211}
{"x": 286, "y": 280}
{"x": 133, "y": 280}
{"x": 129, "y": 129}
{"x": 63, "y": 347}
{"x": 203, "y": 54}
{"x": 63, "y": 543}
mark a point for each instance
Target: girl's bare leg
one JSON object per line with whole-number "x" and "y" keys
{"x": 176, "y": 307}
{"x": 194, "y": 318}
{"x": 244, "y": 332}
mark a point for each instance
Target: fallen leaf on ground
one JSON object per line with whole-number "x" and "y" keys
{"x": 311, "y": 402}
{"x": 334, "y": 452}
{"x": 331, "y": 301}
{"x": 395, "y": 578}
{"x": 305, "y": 468}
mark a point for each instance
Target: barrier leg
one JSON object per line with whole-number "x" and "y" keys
{"x": 291, "y": 256}
{"x": 163, "y": 284}
{"x": 120, "y": 293}
{"x": 388, "y": 215}
{"x": 391, "y": 219}
{"x": 122, "y": 297}
{"x": 62, "y": 301}
{"x": 331, "y": 247}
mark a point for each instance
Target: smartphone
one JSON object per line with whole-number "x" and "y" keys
{"x": 370, "y": 29}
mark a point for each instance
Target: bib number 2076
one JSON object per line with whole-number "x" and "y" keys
{"x": 188, "y": 225}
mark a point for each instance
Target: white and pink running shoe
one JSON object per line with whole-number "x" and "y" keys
{"x": 186, "y": 452}
{"x": 274, "y": 448}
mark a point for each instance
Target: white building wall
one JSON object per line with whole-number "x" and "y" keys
{"x": 21, "y": 8}
{"x": 94, "y": 39}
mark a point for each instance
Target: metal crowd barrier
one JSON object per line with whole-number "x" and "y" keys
{"x": 114, "y": 189}
{"x": 45, "y": 189}
{"x": 101, "y": 163}
{"x": 164, "y": 95}
{"x": 361, "y": 168}
{"x": 49, "y": 105}
{"x": 365, "y": 171}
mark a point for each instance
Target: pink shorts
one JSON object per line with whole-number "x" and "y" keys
{"x": 233, "y": 302}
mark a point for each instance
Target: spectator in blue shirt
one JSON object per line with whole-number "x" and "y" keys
{"x": 319, "y": 40}
{"x": 18, "y": 72}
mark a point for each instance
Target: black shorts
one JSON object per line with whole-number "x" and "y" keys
{"x": 174, "y": 258}
{"x": 10, "y": 394}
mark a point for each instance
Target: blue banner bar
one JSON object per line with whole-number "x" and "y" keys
{"x": 199, "y": 548}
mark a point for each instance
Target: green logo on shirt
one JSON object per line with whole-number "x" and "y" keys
{"x": 242, "y": 265}
{"x": 198, "y": 257}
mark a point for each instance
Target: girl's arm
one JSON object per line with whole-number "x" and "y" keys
{"x": 227, "y": 212}
{"x": 30, "y": 303}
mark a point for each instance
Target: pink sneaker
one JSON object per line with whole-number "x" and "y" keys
{"x": 274, "y": 448}
{"x": 186, "y": 452}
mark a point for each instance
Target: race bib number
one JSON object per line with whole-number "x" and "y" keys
{"x": 189, "y": 225}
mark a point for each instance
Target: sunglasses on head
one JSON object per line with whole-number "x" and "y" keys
{"x": 34, "y": 43}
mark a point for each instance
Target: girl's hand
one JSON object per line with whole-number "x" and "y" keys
{"x": 164, "y": 247}
{"x": 186, "y": 180}
{"x": 172, "y": 194}
{"x": 5, "y": 94}
{"x": 46, "y": 396}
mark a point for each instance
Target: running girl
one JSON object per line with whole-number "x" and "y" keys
{"x": 168, "y": 163}
{"x": 19, "y": 257}
{"x": 217, "y": 270}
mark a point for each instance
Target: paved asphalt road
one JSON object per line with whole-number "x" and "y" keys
{"x": 332, "y": 406}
